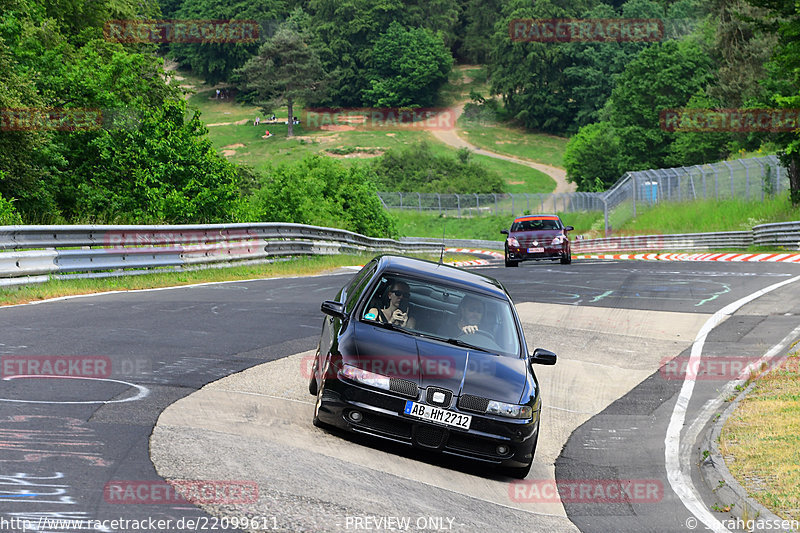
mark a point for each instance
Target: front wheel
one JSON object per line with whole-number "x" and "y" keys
{"x": 316, "y": 421}
{"x": 566, "y": 259}
{"x": 519, "y": 473}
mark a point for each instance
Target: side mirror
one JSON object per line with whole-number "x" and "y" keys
{"x": 540, "y": 356}
{"x": 568, "y": 228}
{"x": 504, "y": 231}
{"x": 334, "y": 309}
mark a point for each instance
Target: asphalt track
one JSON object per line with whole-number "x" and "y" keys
{"x": 178, "y": 354}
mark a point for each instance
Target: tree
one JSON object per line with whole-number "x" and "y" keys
{"x": 286, "y": 69}
{"x": 591, "y": 157}
{"x": 345, "y": 32}
{"x": 215, "y": 62}
{"x": 783, "y": 80}
{"x": 165, "y": 170}
{"x": 663, "y": 76}
{"x": 406, "y": 68}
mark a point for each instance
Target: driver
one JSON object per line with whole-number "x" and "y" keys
{"x": 469, "y": 316}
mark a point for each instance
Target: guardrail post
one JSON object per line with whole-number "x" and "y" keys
{"x": 730, "y": 172}
{"x": 746, "y": 180}
{"x": 763, "y": 175}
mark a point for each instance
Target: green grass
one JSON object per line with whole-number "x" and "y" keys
{"x": 515, "y": 142}
{"x": 462, "y": 80}
{"x": 763, "y": 436}
{"x": 227, "y": 136}
{"x": 667, "y": 218}
{"x": 710, "y": 215}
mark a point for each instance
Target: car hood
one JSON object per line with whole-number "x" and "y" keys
{"x": 543, "y": 236}
{"x": 428, "y": 362}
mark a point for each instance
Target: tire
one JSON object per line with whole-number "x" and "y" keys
{"x": 316, "y": 421}
{"x": 523, "y": 471}
{"x": 567, "y": 259}
{"x": 519, "y": 473}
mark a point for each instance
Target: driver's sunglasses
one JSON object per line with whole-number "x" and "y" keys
{"x": 404, "y": 294}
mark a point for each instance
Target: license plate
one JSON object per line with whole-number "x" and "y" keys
{"x": 437, "y": 414}
{"x": 535, "y": 250}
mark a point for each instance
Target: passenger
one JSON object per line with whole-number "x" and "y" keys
{"x": 394, "y": 308}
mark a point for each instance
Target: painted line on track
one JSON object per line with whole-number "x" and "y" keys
{"x": 738, "y": 257}
{"x": 678, "y": 472}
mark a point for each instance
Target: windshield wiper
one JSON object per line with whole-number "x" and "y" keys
{"x": 459, "y": 342}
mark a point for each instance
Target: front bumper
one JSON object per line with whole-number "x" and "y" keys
{"x": 550, "y": 252}
{"x": 381, "y": 417}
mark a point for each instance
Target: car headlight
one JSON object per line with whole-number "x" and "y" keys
{"x": 509, "y": 410}
{"x": 513, "y": 242}
{"x": 559, "y": 239}
{"x": 364, "y": 377}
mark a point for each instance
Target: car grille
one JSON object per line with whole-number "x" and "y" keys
{"x": 448, "y": 396}
{"x": 404, "y": 387}
{"x": 468, "y": 402}
{"x": 432, "y": 437}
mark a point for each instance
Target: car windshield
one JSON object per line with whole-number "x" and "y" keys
{"x": 536, "y": 224}
{"x": 443, "y": 312}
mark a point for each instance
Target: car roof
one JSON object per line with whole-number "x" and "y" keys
{"x": 421, "y": 268}
{"x": 536, "y": 217}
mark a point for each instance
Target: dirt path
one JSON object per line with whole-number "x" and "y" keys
{"x": 450, "y": 137}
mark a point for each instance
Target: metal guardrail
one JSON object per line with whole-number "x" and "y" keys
{"x": 688, "y": 241}
{"x": 30, "y": 254}
{"x": 786, "y": 234}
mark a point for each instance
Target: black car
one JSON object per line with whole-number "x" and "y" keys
{"x": 431, "y": 356}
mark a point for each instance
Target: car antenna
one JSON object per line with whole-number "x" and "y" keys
{"x": 441, "y": 256}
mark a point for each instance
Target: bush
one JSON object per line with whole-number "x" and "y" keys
{"x": 8, "y": 214}
{"x": 418, "y": 169}
{"x": 323, "y": 192}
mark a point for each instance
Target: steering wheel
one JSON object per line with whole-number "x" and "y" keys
{"x": 479, "y": 333}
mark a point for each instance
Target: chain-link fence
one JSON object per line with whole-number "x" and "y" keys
{"x": 479, "y": 204}
{"x": 748, "y": 179}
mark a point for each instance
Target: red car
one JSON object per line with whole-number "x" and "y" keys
{"x": 535, "y": 237}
